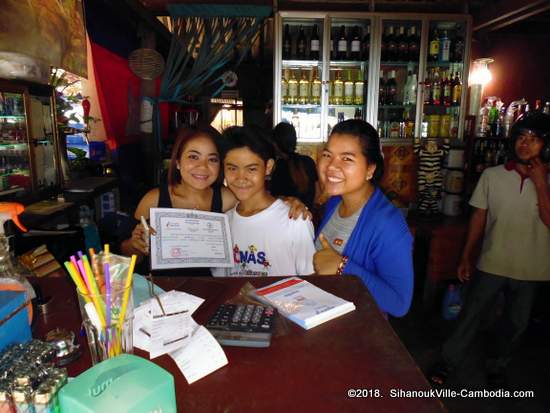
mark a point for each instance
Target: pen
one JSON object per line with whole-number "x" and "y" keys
{"x": 146, "y": 228}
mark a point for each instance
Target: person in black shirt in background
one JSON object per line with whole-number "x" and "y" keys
{"x": 294, "y": 174}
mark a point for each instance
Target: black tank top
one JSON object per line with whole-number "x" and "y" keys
{"x": 166, "y": 202}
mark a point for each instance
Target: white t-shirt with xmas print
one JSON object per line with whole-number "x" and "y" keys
{"x": 269, "y": 243}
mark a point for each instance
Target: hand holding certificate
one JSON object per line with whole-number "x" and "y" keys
{"x": 190, "y": 238}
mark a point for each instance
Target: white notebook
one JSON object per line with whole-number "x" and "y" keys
{"x": 302, "y": 302}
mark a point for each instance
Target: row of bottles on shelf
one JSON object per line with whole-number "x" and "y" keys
{"x": 307, "y": 90}
{"x": 442, "y": 48}
{"x": 441, "y": 126}
{"x": 495, "y": 120}
{"x": 12, "y": 132}
{"x": 397, "y": 127}
{"x": 489, "y": 153}
{"x": 389, "y": 90}
{"x": 299, "y": 47}
{"x": 442, "y": 88}
{"x": 11, "y": 104}
{"x": 401, "y": 44}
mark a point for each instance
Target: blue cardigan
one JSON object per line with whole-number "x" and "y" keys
{"x": 379, "y": 251}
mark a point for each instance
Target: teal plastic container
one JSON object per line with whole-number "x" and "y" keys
{"x": 125, "y": 383}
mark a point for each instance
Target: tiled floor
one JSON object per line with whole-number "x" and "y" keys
{"x": 423, "y": 333}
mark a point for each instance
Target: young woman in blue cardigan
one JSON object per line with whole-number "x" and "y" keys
{"x": 362, "y": 233}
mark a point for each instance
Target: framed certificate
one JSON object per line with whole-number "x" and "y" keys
{"x": 190, "y": 238}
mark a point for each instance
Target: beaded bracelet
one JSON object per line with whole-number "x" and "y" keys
{"x": 340, "y": 269}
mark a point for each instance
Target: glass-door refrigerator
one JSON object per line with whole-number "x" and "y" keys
{"x": 29, "y": 157}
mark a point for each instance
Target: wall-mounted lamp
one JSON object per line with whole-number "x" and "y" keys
{"x": 479, "y": 77}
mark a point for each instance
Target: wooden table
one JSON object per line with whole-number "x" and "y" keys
{"x": 302, "y": 370}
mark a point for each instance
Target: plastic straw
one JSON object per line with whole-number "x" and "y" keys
{"x": 96, "y": 298}
{"x": 127, "y": 290}
{"x": 76, "y": 278}
{"x": 108, "y": 301}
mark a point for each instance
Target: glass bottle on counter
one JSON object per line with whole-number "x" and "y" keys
{"x": 314, "y": 44}
{"x": 287, "y": 43}
{"x": 316, "y": 88}
{"x": 348, "y": 89}
{"x": 303, "y": 88}
{"x": 359, "y": 98}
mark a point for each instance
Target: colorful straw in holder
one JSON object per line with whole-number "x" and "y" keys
{"x": 104, "y": 288}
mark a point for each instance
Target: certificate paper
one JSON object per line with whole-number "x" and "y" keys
{"x": 190, "y": 238}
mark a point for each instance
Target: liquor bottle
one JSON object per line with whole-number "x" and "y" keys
{"x": 303, "y": 89}
{"x": 316, "y": 88}
{"x": 355, "y": 44}
{"x": 391, "y": 89}
{"x": 348, "y": 89}
{"x": 436, "y": 88}
{"x": 433, "y": 52}
{"x": 314, "y": 44}
{"x": 458, "y": 46}
{"x": 292, "y": 88}
{"x": 493, "y": 119}
{"x": 391, "y": 45}
{"x": 358, "y": 114}
{"x": 301, "y": 44}
{"x": 409, "y": 124}
{"x": 338, "y": 87}
{"x": 365, "y": 45}
{"x": 384, "y": 47}
{"x": 407, "y": 88}
{"x": 456, "y": 90}
{"x": 428, "y": 88}
{"x": 284, "y": 87}
{"x": 413, "y": 46}
{"x": 287, "y": 43}
{"x": 382, "y": 90}
{"x": 446, "y": 89}
{"x": 342, "y": 44}
{"x": 359, "y": 89}
{"x": 402, "y": 45}
{"x": 444, "y": 47}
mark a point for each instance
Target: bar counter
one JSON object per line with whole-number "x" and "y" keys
{"x": 301, "y": 371}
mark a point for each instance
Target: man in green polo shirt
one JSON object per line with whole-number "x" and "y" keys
{"x": 512, "y": 218}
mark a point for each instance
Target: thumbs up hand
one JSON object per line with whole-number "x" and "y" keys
{"x": 327, "y": 259}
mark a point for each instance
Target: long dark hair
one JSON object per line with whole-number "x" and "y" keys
{"x": 185, "y": 135}
{"x": 369, "y": 141}
{"x": 284, "y": 136}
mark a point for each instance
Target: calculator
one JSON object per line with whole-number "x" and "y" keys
{"x": 242, "y": 325}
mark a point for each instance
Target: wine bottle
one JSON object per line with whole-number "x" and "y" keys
{"x": 338, "y": 87}
{"x": 315, "y": 88}
{"x": 391, "y": 45}
{"x": 342, "y": 44}
{"x": 413, "y": 47}
{"x": 314, "y": 45}
{"x": 292, "y": 88}
{"x": 359, "y": 87}
{"x": 301, "y": 44}
{"x": 284, "y": 87}
{"x": 402, "y": 45}
{"x": 355, "y": 44}
{"x": 365, "y": 45}
{"x": 348, "y": 89}
{"x": 287, "y": 43}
